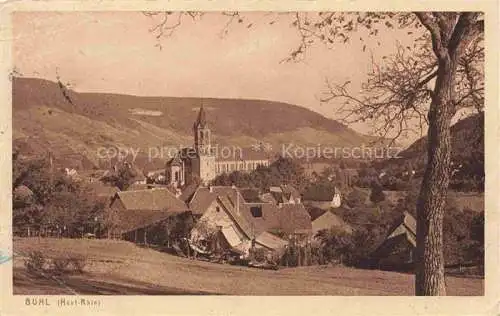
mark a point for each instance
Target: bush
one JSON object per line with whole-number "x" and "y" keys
{"x": 35, "y": 262}
{"x": 78, "y": 263}
{"x": 258, "y": 254}
{"x": 377, "y": 194}
{"x": 60, "y": 265}
{"x": 355, "y": 198}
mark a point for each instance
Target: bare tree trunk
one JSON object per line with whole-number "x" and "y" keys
{"x": 429, "y": 278}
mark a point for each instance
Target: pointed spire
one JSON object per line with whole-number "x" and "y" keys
{"x": 201, "y": 121}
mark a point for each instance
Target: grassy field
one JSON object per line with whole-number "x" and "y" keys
{"x": 117, "y": 267}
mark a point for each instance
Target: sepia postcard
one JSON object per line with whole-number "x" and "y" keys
{"x": 249, "y": 157}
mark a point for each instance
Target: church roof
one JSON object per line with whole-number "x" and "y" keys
{"x": 228, "y": 154}
{"x": 175, "y": 161}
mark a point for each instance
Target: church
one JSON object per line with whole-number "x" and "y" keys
{"x": 204, "y": 161}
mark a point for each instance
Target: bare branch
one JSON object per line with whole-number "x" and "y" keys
{"x": 428, "y": 21}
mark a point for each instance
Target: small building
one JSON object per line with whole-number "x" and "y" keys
{"x": 284, "y": 194}
{"x": 397, "y": 250}
{"x": 322, "y": 198}
{"x": 295, "y": 221}
{"x": 136, "y": 210}
{"x": 243, "y": 223}
{"x": 240, "y": 226}
{"x": 327, "y": 220}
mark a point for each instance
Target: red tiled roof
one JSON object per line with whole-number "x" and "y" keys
{"x": 130, "y": 220}
{"x": 329, "y": 220}
{"x": 188, "y": 192}
{"x": 101, "y": 190}
{"x": 293, "y": 218}
{"x": 202, "y": 198}
{"x": 144, "y": 207}
{"x": 269, "y": 219}
{"x": 270, "y": 241}
{"x": 151, "y": 199}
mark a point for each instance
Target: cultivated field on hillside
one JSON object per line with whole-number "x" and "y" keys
{"x": 117, "y": 267}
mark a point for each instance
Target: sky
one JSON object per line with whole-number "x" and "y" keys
{"x": 116, "y": 52}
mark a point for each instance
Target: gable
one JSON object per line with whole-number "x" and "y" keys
{"x": 219, "y": 215}
{"x": 329, "y": 220}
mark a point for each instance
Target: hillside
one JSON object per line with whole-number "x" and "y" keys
{"x": 122, "y": 268}
{"x": 467, "y": 139}
{"x": 47, "y": 116}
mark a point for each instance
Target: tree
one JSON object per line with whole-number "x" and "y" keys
{"x": 377, "y": 194}
{"x": 430, "y": 83}
{"x": 336, "y": 244}
{"x": 122, "y": 177}
{"x": 56, "y": 202}
{"x": 448, "y": 74}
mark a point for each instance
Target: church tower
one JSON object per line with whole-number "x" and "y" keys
{"x": 204, "y": 165}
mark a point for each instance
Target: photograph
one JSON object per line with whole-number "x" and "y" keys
{"x": 247, "y": 153}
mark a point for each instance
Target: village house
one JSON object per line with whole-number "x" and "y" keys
{"x": 223, "y": 210}
{"x": 283, "y": 194}
{"x": 295, "y": 221}
{"x": 243, "y": 223}
{"x": 323, "y": 198}
{"x": 136, "y": 210}
{"x": 325, "y": 220}
{"x": 396, "y": 252}
{"x": 205, "y": 161}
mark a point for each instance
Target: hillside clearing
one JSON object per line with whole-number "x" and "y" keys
{"x": 117, "y": 267}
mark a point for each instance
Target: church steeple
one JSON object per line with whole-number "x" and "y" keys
{"x": 201, "y": 133}
{"x": 201, "y": 121}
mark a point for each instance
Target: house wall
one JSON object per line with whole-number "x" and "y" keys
{"x": 337, "y": 201}
{"x": 215, "y": 218}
